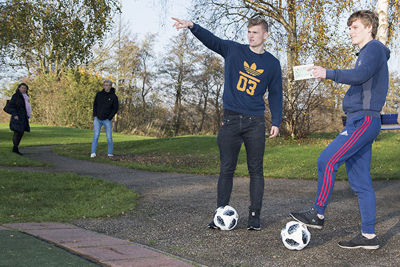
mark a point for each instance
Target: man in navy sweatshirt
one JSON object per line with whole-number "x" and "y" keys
{"x": 369, "y": 81}
{"x": 249, "y": 72}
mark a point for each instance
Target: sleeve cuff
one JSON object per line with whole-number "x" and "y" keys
{"x": 194, "y": 28}
{"x": 330, "y": 74}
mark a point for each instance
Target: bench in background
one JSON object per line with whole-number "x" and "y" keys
{"x": 388, "y": 121}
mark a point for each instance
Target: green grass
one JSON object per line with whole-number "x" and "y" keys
{"x": 49, "y": 135}
{"x": 284, "y": 158}
{"x": 36, "y": 197}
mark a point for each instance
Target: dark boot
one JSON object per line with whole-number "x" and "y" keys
{"x": 254, "y": 220}
{"x": 15, "y": 150}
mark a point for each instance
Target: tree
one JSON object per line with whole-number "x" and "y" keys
{"x": 389, "y": 18}
{"x": 146, "y": 73}
{"x": 49, "y": 36}
{"x": 207, "y": 86}
{"x": 382, "y": 8}
{"x": 65, "y": 100}
{"x": 176, "y": 69}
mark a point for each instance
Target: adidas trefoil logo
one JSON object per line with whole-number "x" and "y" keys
{"x": 344, "y": 133}
{"x": 252, "y": 70}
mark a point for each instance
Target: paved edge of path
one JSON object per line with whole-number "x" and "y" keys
{"x": 98, "y": 247}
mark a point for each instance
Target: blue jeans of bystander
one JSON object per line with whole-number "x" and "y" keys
{"x": 108, "y": 128}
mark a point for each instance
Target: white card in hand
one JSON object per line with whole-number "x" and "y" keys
{"x": 301, "y": 73}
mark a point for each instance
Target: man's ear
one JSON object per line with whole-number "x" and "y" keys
{"x": 266, "y": 35}
{"x": 369, "y": 28}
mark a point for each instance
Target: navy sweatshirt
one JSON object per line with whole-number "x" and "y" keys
{"x": 369, "y": 81}
{"x": 247, "y": 76}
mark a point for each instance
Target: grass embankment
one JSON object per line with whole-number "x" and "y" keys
{"x": 28, "y": 196}
{"x": 284, "y": 158}
{"x": 48, "y": 135}
{"x": 33, "y": 196}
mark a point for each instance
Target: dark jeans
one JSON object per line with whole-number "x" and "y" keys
{"x": 235, "y": 130}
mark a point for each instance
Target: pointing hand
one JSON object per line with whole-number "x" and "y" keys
{"x": 180, "y": 24}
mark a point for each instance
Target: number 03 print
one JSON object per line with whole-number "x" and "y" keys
{"x": 247, "y": 83}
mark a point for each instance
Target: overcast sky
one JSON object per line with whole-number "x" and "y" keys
{"x": 149, "y": 16}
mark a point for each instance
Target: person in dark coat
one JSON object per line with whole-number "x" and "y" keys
{"x": 105, "y": 107}
{"x": 20, "y": 111}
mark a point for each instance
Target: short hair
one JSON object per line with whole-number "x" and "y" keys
{"x": 258, "y": 21}
{"x": 108, "y": 81}
{"x": 367, "y": 18}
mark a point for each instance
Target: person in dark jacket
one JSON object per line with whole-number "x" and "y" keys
{"x": 20, "y": 111}
{"x": 105, "y": 107}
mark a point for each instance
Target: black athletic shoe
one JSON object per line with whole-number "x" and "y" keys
{"x": 309, "y": 218}
{"x": 15, "y": 150}
{"x": 254, "y": 221}
{"x": 360, "y": 241}
{"x": 212, "y": 225}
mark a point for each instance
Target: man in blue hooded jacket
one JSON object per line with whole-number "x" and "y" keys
{"x": 369, "y": 81}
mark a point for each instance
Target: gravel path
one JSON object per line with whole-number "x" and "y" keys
{"x": 174, "y": 209}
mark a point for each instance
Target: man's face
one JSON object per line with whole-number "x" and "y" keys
{"x": 107, "y": 86}
{"x": 257, "y": 35}
{"x": 359, "y": 34}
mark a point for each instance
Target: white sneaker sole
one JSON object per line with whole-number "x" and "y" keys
{"x": 364, "y": 247}
{"x": 254, "y": 229}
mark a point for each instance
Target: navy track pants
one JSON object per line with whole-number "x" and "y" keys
{"x": 352, "y": 146}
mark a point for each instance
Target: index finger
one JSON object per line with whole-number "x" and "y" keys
{"x": 176, "y": 19}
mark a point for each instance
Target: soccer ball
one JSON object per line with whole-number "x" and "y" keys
{"x": 226, "y": 217}
{"x": 295, "y": 235}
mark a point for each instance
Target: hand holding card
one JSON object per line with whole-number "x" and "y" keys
{"x": 303, "y": 72}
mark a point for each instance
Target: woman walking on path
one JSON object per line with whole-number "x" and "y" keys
{"x": 20, "y": 111}
{"x": 105, "y": 107}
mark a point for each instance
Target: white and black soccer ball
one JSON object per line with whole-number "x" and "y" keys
{"x": 295, "y": 235}
{"x": 226, "y": 218}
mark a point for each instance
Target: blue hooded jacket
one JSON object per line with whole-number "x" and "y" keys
{"x": 369, "y": 81}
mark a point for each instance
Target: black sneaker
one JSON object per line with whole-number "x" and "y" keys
{"x": 360, "y": 241}
{"x": 309, "y": 218}
{"x": 15, "y": 150}
{"x": 254, "y": 221}
{"x": 212, "y": 225}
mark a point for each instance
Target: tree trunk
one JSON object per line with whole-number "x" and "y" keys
{"x": 291, "y": 54}
{"x": 382, "y": 8}
{"x": 204, "y": 109}
{"x": 177, "y": 109}
{"x": 217, "y": 109}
